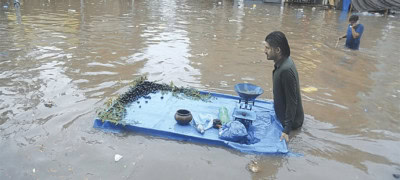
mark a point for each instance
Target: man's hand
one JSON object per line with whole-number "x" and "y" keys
{"x": 285, "y": 136}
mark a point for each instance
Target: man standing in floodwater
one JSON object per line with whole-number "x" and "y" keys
{"x": 354, "y": 33}
{"x": 286, "y": 86}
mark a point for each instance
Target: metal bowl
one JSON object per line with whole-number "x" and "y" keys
{"x": 247, "y": 91}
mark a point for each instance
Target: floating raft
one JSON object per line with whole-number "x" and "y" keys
{"x": 154, "y": 115}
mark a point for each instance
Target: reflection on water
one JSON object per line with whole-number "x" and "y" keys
{"x": 167, "y": 55}
{"x": 75, "y": 54}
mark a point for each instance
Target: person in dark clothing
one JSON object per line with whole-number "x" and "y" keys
{"x": 354, "y": 33}
{"x": 286, "y": 87}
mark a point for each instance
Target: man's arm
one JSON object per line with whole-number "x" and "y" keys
{"x": 290, "y": 93}
{"x": 354, "y": 33}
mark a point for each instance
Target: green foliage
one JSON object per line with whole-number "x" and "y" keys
{"x": 113, "y": 111}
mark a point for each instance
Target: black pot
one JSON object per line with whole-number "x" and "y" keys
{"x": 183, "y": 117}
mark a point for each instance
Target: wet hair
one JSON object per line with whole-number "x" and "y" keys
{"x": 353, "y": 18}
{"x": 278, "y": 39}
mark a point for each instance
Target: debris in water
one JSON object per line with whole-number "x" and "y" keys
{"x": 253, "y": 166}
{"x": 309, "y": 89}
{"x": 117, "y": 157}
{"x": 202, "y": 54}
{"x": 49, "y": 104}
{"x": 34, "y": 170}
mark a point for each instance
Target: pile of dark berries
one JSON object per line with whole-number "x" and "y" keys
{"x": 142, "y": 90}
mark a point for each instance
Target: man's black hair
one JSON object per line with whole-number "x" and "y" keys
{"x": 353, "y": 18}
{"x": 278, "y": 39}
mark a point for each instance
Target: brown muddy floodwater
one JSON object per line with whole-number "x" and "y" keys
{"x": 76, "y": 54}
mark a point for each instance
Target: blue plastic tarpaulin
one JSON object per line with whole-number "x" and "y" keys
{"x": 154, "y": 115}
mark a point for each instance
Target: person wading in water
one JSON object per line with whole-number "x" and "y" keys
{"x": 286, "y": 87}
{"x": 354, "y": 33}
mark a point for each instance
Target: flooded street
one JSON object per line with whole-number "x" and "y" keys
{"x": 60, "y": 61}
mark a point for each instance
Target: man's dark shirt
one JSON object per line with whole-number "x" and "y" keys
{"x": 287, "y": 98}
